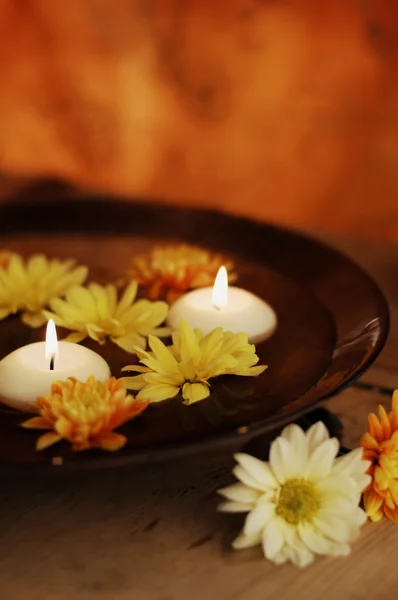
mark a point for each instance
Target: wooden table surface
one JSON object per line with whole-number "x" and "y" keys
{"x": 152, "y": 533}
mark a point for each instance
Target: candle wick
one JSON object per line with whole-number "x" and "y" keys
{"x": 52, "y": 359}
{"x": 217, "y": 307}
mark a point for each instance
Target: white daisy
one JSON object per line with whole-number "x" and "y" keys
{"x": 304, "y": 501}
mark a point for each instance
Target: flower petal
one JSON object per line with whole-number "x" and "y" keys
{"x": 258, "y": 518}
{"x": 247, "y": 541}
{"x": 272, "y": 539}
{"x": 315, "y": 435}
{"x": 321, "y": 460}
{"x": 111, "y": 441}
{"x": 157, "y": 392}
{"x": 234, "y": 507}
{"x": 260, "y": 471}
{"x": 47, "y": 440}
{"x": 281, "y": 459}
{"x": 239, "y": 492}
{"x": 246, "y": 478}
{"x": 37, "y": 423}
{"x": 194, "y": 392}
{"x": 335, "y": 528}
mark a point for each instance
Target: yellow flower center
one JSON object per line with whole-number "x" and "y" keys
{"x": 298, "y": 501}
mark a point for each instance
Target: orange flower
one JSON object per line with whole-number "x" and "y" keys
{"x": 85, "y": 414}
{"x": 380, "y": 445}
{"x": 169, "y": 271}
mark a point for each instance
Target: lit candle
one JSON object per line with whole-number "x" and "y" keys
{"x": 28, "y": 372}
{"x": 231, "y": 308}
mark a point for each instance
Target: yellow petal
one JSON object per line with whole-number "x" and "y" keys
{"x": 374, "y": 427}
{"x": 33, "y": 319}
{"x": 101, "y": 298}
{"x": 63, "y": 427}
{"x": 134, "y": 383}
{"x": 126, "y": 343}
{"x": 37, "y": 423}
{"x": 75, "y": 337}
{"x": 210, "y": 346}
{"x": 127, "y": 299}
{"x": 189, "y": 343}
{"x": 384, "y": 422}
{"x": 194, "y": 392}
{"x": 112, "y": 441}
{"x": 81, "y": 298}
{"x": 37, "y": 266}
{"x": 163, "y": 355}
{"x": 154, "y": 392}
{"x": 372, "y": 502}
{"x": 47, "y": 440}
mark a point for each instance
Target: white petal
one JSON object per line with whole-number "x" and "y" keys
{"x": 245, "y": 477}
{"x": 350, "y": 511}
{"x": 321, "y": 460}
{"x": 272, "y": 539}
{"x": 336, "y": 486}
{"x": 234, "y": 507}
{"x": 281, "y": 459}
{"x": 239, "y": 492}
{"x": 315, "y": 435}
{"x": 319, "y": 544}
{"x": 247, "y": 541}
{"x": 280, "y": 558}
{"x": 314, "y": 539}
{"x": 259, "y": 470}
{"x": 257, "y": 519}
{"x": 296, "y": 438}
{"x": 351, "y": 463}
{"x": 301, "y": 557}
{"x": 335, "y": 528}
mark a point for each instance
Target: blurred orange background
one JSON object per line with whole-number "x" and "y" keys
{"x": 281, "y": 110}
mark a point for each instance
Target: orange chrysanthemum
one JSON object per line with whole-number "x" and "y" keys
{"x": 167, "y": 272}
{"x": 85, "y": 414}
{"x": 380, "y": 445}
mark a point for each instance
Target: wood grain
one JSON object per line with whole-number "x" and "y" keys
{"x": 154, "y": 534}
{"x": 278, "y": 110}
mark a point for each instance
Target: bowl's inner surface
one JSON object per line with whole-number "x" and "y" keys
{"x": 297, "y": 354}
{"x": 333, "y": 320}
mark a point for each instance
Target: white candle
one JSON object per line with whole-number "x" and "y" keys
{"x": 28, "y": 372}
{"x": 231, "y": 308}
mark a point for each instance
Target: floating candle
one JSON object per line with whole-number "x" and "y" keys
{"x": 28, "y": 372}
{"x": 231, "y": 308}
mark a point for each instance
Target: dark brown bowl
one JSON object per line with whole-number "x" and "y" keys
{"x": 333, "y": 322}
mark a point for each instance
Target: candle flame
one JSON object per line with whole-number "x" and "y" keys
{"x": 220, "y": 289}
{"x": 51, "y": 341}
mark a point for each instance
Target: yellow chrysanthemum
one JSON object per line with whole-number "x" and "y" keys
{"x": 169, "y": 271}
{"x": 85, "y": 414}
{"x": 5, "y": 256}
{"x": 29, "y": 286}
{"x": 380, "y": 445}
{"x": 189, "y": 363}
{"x": 94, "y": 311}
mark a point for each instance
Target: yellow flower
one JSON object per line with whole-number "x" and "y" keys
{"x": 380, "y": 445}
{"x": 29, "y": 286}
{"x": 85, "y": 414}
{"x": 95, "y": 311}
{"x": 190, "y": 362}
{"x": 169, "y": 271}
{"x": 302, "y": 502}
{"x": 5, "y": 257}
